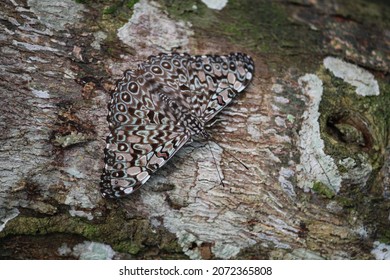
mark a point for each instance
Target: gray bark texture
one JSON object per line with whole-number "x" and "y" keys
{"x": 312, "y": 128}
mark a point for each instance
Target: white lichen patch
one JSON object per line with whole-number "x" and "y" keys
{"x": 225, "y": 251}
{"x": 303, "y": 254}
{"x": 361, "y": 230}
{"x": 282, "y": 138}
{"x": 69, "y": 74}
{"x": 334, "y": 207}
{"x": 34, "y": 47}
{"x": 215, "y": 4}
{"x": 364, "y": 81}
{"x": 281, "y": 99}
{"x": 254, "y": 131}
{"x": 315, "y": 166}
{"x": 150, "y": 30}
{"x": 280, "y": 121}
{"x": 40, "y": 93}
{"x": 81, "y": 214}
{"x": 254, "y": 125}
{"x": 277, "y": 88}
{"x": 271, "y": 156}
{"x": 64, "y": 250}
{"x": 287, "y": 186}
{"x": 88, "y": 251}
{"x": 78, "y": 196}
{"x": 381, "y": 251}
{"x": 275, "y": 108}
{"x": 56, "y": 14}
{"x": 186, "y": 240}
{"x": 74, "y": 172}
{"x": 33, "y": 59}
{"x": 99, "y": 36}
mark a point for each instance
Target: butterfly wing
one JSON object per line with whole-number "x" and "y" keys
{"x": 216, "y": 80}
{"x": 171, "y": 72}
{"x": 145, "y": 133}
{"x": 133, "y": 152}
{"x": 156, "y": 109}
{"x": 137, "y": 101}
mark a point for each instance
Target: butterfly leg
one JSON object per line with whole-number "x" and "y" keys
{"x": 208, "y": 125}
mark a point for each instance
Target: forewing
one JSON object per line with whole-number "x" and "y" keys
{"x": 136, "y": 101}
{"x": 170, "y": 71}
{"x": 215, "y": 81}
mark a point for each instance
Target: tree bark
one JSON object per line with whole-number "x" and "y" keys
{"x": 312, "y": 130}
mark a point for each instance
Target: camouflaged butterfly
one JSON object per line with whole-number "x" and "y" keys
{"x": 161, "y": 106}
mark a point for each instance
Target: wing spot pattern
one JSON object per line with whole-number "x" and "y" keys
{"x": 159, "y": 107}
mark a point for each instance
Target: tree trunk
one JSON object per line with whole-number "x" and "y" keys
{"x": 312, "y": 129}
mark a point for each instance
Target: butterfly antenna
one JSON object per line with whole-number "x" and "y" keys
{"x": 236, "y": 159}
{"x": 246, "y": 167}
{"x": 215, "y": 162}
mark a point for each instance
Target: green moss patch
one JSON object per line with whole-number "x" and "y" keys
{"x": 125, "y": 236}
{"x": 323, "y": 189}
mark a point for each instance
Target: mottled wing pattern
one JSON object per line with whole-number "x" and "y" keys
{"x": 144, "y": 131}
{"x": 134, "y": 152}
{"x": 215, "y": 81}
{"x": 157, "y": 108}
{"x": 171, "y": 72}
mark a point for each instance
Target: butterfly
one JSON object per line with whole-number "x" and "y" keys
{"x": 162, "y": 105}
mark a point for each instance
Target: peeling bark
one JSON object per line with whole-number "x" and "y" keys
{"x": 58, "y": 62}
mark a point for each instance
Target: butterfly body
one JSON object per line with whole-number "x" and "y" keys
{"x": 161, "y": 106}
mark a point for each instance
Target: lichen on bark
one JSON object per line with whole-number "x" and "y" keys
{"x": 63, "y": 58}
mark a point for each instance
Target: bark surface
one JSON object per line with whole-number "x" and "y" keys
{"x": 312, "y": 128}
